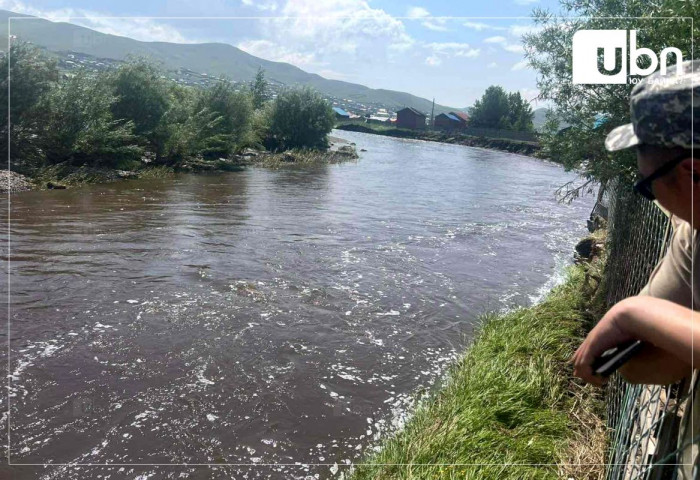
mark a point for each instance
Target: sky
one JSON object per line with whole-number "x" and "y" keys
{"x": 411, "y": 46}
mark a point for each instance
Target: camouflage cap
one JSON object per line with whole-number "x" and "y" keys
{"x": 661, "y": 107}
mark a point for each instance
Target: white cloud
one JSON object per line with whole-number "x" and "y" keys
{"x": 417, "y": 12}
{"x": 496, "y": 39}
{"x": 138, "y": 28}
{"x": 277, "y": 53}
{"x": 454, "y": 49}
{"x": 433, "y": 61}
{"x": 503, "y": 42}
{"x": 479, "y": 26}
{"x": 530, "y": 94}
{"x": 420, "y": 13}
{"x": 492, "y": 65}
{"x": 514, "y": 48}
{"x": 269, "y": 6}
{"x": 521, "y": 65}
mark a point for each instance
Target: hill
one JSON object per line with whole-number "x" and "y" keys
{"x": 211, "y": 58}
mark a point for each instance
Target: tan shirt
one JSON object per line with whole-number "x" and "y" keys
{"x": 675, "y": 279}
{"x": 671, "y": 279}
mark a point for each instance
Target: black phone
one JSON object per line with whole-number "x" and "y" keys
{"x": 612, "y": 359}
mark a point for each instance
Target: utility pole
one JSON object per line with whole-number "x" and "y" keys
{"x": 432, "y": 112}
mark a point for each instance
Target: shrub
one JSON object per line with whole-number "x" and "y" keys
{"x": 300, "y": 118}
{"x": 81, "y": 128}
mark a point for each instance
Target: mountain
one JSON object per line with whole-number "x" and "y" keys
{"x": 210, "y": 58}
{"x": 539, "y": 117}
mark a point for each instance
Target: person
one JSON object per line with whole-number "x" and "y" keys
{"x": 665, "y": 129}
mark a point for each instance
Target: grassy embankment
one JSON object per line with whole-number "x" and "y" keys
{"x": 509, "y": 402}
{"x": 65, "y": 175}
{"x": 522, "y": 147}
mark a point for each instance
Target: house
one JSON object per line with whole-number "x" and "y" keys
{"x": 410, "y": 118}
{"x": 463, "y": 117}
{"x": 341, "y": 114}
{"x": 448, "y": 121}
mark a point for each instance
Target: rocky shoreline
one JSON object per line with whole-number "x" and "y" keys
{"x": 13, "y": 182}
{"x": 64, "y": 175}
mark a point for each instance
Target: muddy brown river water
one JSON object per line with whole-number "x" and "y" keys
{"x": 277, "y": 324}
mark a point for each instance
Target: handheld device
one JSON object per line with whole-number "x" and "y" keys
{"x": 614, "y": 358}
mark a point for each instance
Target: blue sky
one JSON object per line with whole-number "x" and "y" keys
{"x": 407, "y": 46}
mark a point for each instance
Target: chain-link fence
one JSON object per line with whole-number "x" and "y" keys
{"x": 643, "y": 420}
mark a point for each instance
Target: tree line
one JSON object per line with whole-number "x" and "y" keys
{"x": 115, "y": 117}
{"x": 500, "y": 109}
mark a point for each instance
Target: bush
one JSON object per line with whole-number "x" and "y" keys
{"x": 81, "y": 128}
{"x": 189, "y": 127}
{"x": 300, "y": 118}
{"x": 33, "y": 75}
{"x": 142, "y": 98}
{"x": 235, "y": 109}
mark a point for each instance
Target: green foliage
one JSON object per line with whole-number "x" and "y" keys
{"x": 519, "y": 113}
{"x": 80, "y": 124}
{"x": 32, "y": 75}
{"x": 111, "y": 119}
{"x": 499, "y": 109}
{"x": 549, "y": 51}
{"x": 235, "y": 110}
{"x": 189, "y": 127}
{"x": 301, "y": 118}
{"x": 142, "y": 98}
{"x": 258, "y": 88}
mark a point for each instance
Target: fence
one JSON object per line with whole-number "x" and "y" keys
{"x": 643, "y": 420}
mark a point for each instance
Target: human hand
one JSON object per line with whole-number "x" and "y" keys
{"x": 608, "y": 333}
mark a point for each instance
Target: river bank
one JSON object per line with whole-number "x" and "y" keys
{"x": 522, "y": 147}
{"x": 509, "y": 407}
{"x": 341, "y": 291}
{"x": 65, "y": 175}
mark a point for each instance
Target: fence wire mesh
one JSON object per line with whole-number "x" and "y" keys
{"x": 643, "y": 420}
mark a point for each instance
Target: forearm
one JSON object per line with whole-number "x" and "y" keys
{"x": 666, "y": 325}
{"x": 637, "y": 369}
{"x": 671, "y": 333}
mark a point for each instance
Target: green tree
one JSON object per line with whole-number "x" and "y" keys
{"x": 519, "y": 113}
{"x": 81, "y": 128}
{"x": 492, "y": 109}
{"x": 300, "y": 118}
{"x": 549, "y": 49}
{"x": 258, "y": 89}
{"x": 142, "y": 98}
{"x": 32, "y": 75}
{"x": 235, "y": 108}
{"x": 191, "y": 128}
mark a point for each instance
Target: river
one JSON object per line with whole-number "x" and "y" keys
{"x": 281, "y": 320}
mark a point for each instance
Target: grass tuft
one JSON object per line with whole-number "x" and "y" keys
{"x": 508, "y": 403}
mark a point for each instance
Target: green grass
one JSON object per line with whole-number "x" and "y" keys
{"x": 155, "y": 172}
{"x": 304, "y": 158}
{"x": 509, "y": 400}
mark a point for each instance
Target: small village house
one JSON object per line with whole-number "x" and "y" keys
{"x": 446, "y": 121}
{"x": 463, "y": 118}
{"x": 341, "y": 114}
{"x": 451, "y": 121}
{"x": 410, "y": 118}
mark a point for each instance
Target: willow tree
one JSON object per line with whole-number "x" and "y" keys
{"x": 581, "y": 107}
{"x": 31, "y": 75}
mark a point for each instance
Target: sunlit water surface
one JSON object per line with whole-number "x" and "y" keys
{"x": 264, "y": 317}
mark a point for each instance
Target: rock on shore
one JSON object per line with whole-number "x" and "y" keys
{"x": 13, "y": 182}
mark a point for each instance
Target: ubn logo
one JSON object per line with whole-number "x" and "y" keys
{"x": 587, "y": 46}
